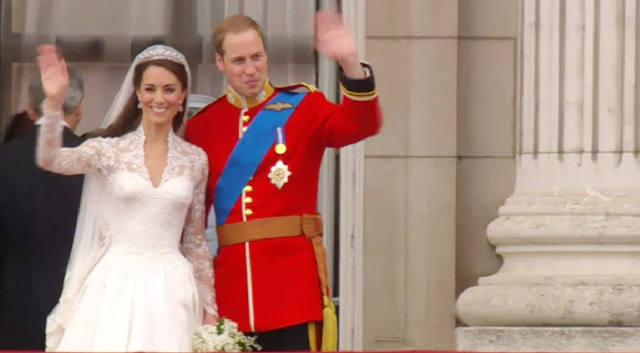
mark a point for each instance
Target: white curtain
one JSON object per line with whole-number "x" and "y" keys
{"x": 100, "y": 38}
{"x": 91, "y": 18}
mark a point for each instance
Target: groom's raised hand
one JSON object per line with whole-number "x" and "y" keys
{"x": 334, "y": 39}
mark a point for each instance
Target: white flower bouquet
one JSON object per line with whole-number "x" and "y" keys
{"x": 223, "y": 337}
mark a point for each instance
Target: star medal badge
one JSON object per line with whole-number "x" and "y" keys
{"x": 279, "y": 174}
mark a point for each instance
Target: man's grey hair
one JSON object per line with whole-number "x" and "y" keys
{"x": 74, "y": 96}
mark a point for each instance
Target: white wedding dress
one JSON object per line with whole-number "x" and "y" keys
{"x": 148, "y": 288}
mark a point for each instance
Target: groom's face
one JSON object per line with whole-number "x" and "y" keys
{"x": 244, "y": 62}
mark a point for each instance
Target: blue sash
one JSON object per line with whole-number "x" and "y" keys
{"x": 249, "y": 152}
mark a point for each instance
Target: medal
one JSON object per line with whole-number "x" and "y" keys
{"x": 279, "y": 174}
{"x": 281, "y": 147}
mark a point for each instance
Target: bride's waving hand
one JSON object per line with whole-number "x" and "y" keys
{"x": 50, "y": 154}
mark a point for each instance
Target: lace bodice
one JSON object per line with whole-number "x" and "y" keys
{"x": 138, "y": 216}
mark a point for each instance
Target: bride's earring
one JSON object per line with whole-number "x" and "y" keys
{"x": 180, "y": 108}
{"x": 139, "y": 105}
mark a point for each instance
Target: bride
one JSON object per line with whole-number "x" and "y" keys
{"x": 140, "y": 275}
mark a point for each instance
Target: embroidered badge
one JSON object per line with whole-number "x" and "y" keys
{"x": 279, "y": 174}
{"x": 279, "y": 106}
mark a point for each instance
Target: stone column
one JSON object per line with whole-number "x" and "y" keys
{"x": 570, "y": 233}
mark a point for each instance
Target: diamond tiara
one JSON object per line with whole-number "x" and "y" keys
{"x": 159, "y": 52}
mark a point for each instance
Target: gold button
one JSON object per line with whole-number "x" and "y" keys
{"x": 248, "y": 212}
{"x": 248, "y": 199}
{"x": 246, "y": 118}
{"x": 248, "y": 188}
{"x": 244, "y": 129}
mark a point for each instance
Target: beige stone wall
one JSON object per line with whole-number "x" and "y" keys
{"x": 487, "y": 57}
{"x": 443, "y": 164}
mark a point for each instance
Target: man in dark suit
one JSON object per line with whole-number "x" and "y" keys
{"x": 38, "y": 212}
{"x": 20, "y": 123}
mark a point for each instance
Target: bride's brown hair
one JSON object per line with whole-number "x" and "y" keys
{"x": 130, "y": 117}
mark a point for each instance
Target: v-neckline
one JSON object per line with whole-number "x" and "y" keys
{"x": 163, "y": 175}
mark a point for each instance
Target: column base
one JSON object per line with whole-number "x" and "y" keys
{"x": 548, "y": 339}
{"x": 538, "y": 305}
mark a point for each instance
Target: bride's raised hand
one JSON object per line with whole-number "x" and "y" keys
{"x": 54, "y": 75}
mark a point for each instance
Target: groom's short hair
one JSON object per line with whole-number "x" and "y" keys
{"x": 74, "y": 96}
{"x": 234, "y": 24}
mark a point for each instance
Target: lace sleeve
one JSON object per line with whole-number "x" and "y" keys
{"x": 195, "y": 245}
{"x": 50, "y": 154}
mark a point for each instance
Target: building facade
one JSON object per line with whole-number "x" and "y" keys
{"x": 443, "y": 164}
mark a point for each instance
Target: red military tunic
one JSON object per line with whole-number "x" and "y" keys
{"x": 270, "y": 284}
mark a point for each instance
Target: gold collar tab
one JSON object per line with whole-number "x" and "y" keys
{"x": 246, "y": 103}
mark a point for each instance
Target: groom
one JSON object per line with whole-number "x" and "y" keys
{"x": 265, "y": 145}
{"x": 38, "y": 212}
